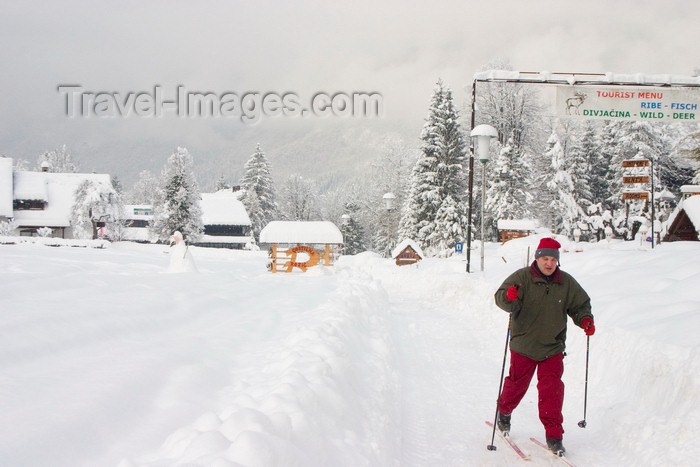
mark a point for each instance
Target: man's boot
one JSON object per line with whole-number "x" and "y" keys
{"x": 503, "y": 423}
{"x": 555, "y": 445}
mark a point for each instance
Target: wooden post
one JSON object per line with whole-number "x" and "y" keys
{"x": 274, "y": 258}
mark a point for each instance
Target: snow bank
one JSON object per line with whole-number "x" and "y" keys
{"x": 108, "y": 360}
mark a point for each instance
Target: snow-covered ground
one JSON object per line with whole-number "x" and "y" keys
{"x": 109, "y": 360}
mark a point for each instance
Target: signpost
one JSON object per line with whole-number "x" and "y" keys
{"x": 635, "y": 195}
{"x": 644, "y": 165}
{"x": 642, "y": 179}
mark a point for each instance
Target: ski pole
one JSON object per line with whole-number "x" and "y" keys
{"x": 492, "y": 447}
{"x": 582, "y": 423}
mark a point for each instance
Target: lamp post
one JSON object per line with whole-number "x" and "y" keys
{"x": 389, "y": 199}
{"x": 482, "y": 135}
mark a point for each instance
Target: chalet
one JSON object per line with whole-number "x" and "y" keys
{"x": 684, "y": 223}
{"x": 41, "y": 199}
{"x": 137, "y": 218}
{"x": 516, "y": 228}
{"x": 407, "y": 252}
{"x": 5, "y": 188}
{"x": 689, "y": 190}
{"x": 297, "y": 244}
{"x": 226, "y": 222}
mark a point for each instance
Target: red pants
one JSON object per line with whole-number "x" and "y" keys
{"x": 550, "y": 389}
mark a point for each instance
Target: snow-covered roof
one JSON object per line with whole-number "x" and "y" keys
{"x": 691, "y": 206}
{"x": 223, "y": 208}
{"x": 312, "y": 232}
{"x": 31, "y": 186}
{"x": 57, "y": 189}
{"x": 588, "y": 78}
{"x": 401, "y": 246}
{"x": 5, "y": 187}
{"x": 517, "y": 224}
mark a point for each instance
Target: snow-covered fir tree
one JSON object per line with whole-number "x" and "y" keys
{"x": 258, "y": 179}
{"x": 94, "y": 203}
{"x": 352, "y": 231}
{"x": 144, "y": 190}
{"x": 564, "y": 208}
{"x": 596, "y": 164}
{"x": 222, "y": 183}
{"x": 450, "y": 221}
{"x": 507, "y": 195}
{"x": 58, "y": 161}
{"x": 176, "y": 207}
{"x": 439, "y": 172}
{"x": 300, "y": 199}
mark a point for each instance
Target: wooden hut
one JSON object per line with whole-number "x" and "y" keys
{"x": 516, "y": 228}
{"x": 407, "y": 252}
{"x": 298, "y": 244}
{"x": 685, "y": 225}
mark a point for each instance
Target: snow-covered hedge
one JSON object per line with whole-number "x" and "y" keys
{"x": 48, "y": 241}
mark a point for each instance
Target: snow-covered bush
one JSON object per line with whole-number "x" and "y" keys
{"x": 7, "y": 227}
{"x": 44, "y": 232}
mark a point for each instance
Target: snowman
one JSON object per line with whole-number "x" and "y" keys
{"x": 180, "y": 257}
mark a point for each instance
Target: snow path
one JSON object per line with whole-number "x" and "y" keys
{"x": 109, "y": 361}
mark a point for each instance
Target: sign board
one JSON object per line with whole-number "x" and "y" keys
{"x": 628, "y": 103}
{"x": 636, "y": 163}
{"x": 636, "y": 195}
{"x": 458, "y": 247}
{"x": 644, "y": 179}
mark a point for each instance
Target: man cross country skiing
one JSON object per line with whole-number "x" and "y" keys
{"x": 539, "y": 298}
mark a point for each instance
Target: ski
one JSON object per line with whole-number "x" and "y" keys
{"x": 511, "y": 443}
{"x": 558, "y": 456}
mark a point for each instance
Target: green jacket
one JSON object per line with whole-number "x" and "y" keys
{"x": 538, "y": 316}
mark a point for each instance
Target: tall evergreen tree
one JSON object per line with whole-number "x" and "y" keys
{"x": 507, "y": 195}
{"x": 300, "y": 199}
{"x": 439, "y": 172}
{"x": 177, "y": 207}
{"x": 564, "y": 207}
{"x": 144, "y": 190}
{"x": 258, "y": 179}
{"x": 353, "y": 235}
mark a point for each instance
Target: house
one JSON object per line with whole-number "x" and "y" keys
{"x": 137, "y": 218}
{"x": 689, "y": 190}
{"x": 5, "y": 188}
{"x": 41, "y": 199}
{"x": 226, "y": 222}
{"x": 300, "y": 244}
{"x": 516, "y": 228}
{"x": 684, "y": 223}
{"x": 407, "y": 252}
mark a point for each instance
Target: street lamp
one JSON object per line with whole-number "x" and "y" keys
{"x": 481, "y": 136}
{"x": 389, "y": 199}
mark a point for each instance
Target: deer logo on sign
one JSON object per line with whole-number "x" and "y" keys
{"x": 573, "y": 103}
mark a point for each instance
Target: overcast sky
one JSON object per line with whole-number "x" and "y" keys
{"x": 304, "y": 47}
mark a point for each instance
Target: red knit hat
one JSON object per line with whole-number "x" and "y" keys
{"x": 548, "y": 247}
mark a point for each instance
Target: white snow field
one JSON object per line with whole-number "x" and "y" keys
{"x": 109, "y": 360}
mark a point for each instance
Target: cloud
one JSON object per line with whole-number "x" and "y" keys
{"x": 304, "y": 46}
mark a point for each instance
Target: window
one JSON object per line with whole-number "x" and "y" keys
{"x": 28, "y": 205}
